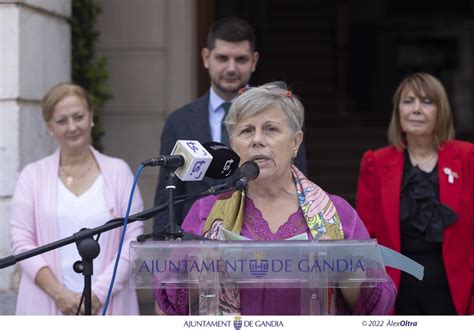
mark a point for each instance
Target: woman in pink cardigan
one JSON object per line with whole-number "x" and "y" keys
{"x": 74, "y": 188}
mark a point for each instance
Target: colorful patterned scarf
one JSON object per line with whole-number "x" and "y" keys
{"x": 319, "y": 212}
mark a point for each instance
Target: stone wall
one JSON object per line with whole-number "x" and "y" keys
{"x": 152, "y": 55}
{"x": 34, "y": 55}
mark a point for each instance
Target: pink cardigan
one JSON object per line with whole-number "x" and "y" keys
{"x": 34, "y": 223}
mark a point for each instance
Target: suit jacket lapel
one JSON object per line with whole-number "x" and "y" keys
{"x": 200, "y": 129}
{"x": 391, "y": 181}
{"x": 198, "y": 119}
{"x": 449, "y": 193}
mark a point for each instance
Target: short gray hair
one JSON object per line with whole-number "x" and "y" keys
{"x": 255, "y": 100}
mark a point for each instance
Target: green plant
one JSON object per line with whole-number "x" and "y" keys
{"x": 89, "y": 69}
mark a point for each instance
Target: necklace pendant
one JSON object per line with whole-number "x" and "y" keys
{"x": 69, "y": 180}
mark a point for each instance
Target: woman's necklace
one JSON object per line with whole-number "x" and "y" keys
{"x": 70, "y": 178}
{"x": 428, "y": 160}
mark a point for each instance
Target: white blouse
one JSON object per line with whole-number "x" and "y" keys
{"x": 74, "y": 213}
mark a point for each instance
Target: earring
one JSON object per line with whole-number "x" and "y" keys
{"x": 51, "y": 133}
{"x": 92, "y": 124}
{"x": 295, "y": 153}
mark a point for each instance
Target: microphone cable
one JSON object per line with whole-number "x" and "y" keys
{"x": 122, "y": 238}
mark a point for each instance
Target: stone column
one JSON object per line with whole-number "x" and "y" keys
{"x": 152, "y": 55}
{"x": 35, "y": 52}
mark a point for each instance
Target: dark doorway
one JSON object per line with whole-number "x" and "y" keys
{"x": 344, "y": 60}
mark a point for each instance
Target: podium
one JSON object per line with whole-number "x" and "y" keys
{"x": 205, "y": 267}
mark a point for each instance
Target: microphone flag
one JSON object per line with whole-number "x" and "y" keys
{"x": 196, "y": 160}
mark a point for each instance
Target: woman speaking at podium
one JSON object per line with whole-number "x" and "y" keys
{"x": 265, "y": 125}
{"x": 76, "y": 187}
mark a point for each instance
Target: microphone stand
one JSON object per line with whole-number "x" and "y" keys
{"x": 89, "y": 249}
{"x": 173, "y": 232}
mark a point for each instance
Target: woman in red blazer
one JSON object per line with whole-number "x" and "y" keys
{"x": 416, "y": 196}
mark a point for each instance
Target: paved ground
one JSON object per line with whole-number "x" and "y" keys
{"x": 7, "y": 303}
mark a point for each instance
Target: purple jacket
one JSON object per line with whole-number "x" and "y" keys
{"x": 379, "y": 300}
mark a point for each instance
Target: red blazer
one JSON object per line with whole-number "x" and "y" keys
{"x": 378, "y": 205}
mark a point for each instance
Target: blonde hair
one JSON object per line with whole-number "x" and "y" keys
{"x": 255, "y": 100}
{"x": 422, "y": 85}
{"x": 59, "y": 92}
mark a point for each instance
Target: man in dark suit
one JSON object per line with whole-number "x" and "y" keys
{"x": 230, "y": 58}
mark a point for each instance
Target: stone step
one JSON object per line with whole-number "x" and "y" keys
{"x": 7, "y": 302}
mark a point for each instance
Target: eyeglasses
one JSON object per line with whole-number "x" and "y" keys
{"x": 281, "y": 92}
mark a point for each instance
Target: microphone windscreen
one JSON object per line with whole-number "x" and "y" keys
{"x": 249, "y": 170}
{"x": 224, "y": 163}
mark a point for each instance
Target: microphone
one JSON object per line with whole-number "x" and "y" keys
{"x": 189, "y": 159}
{"x": 248, "y": 172}
{"x": 225, "y": 161}
{"x": 144, "y": 237}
